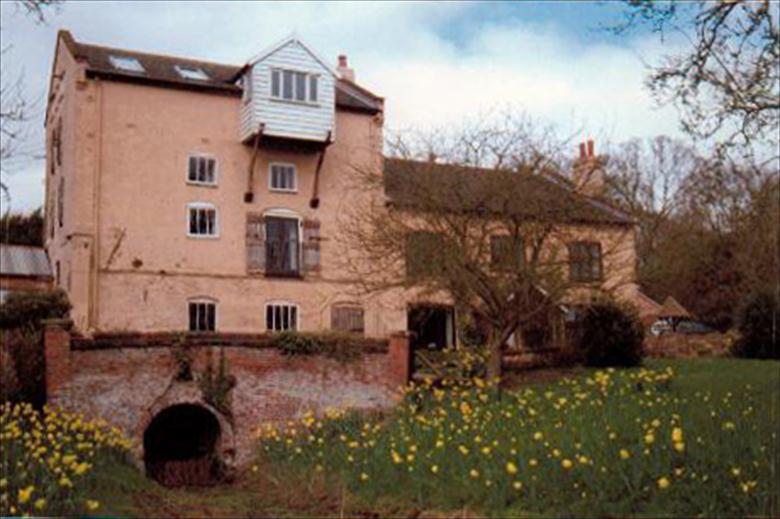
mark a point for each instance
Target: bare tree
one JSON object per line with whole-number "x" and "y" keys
{"x": 728, "y": 84}
{"x": 16, "y": 108}
{"x": 480, "y": 217}
{"x": 646, "y": 178}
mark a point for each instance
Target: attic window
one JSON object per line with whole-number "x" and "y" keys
{"x": 191, "y": 72}
{"x": 291, "y": 85}
{"x": 126, "y": 63}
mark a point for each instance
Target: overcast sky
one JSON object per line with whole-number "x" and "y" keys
{"x": 435, "y": 63}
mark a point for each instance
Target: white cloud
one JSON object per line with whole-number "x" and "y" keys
{"x": 399, "y": 50}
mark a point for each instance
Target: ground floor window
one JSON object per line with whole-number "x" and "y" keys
{"x": 347, "y": 318}
{"x": 280, "y": 317}
{"x": 203, "y": 316}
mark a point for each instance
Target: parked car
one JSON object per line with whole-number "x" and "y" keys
{"x": 693, "y": 328}
{"x": 659, "y": 328}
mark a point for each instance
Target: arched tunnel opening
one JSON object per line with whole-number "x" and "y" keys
{"x": 180, "y": 447}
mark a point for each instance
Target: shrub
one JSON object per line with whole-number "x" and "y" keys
{"x": 28, "y": 309}
{"x": 756, "y": 319}
{"x": 338, "y": 345}
{"x": 292, "y": 343}
{"x": 25, "y": 347}
{"x": 611, "y": 336}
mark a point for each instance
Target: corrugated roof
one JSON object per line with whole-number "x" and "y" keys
{"x": 23, "y": 260}
{"x": 451, "y": 187}
{"x": 161, "y": 70}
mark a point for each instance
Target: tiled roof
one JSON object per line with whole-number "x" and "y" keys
{"x": 160, "y": 69}
{"x": 23, "y": 260}
{"x": 461, "y": 188}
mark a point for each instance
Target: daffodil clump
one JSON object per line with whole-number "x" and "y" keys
{"x": 47, "y": 455}
{"x": 608, "y": 443}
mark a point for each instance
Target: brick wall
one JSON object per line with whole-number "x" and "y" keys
{"x": 128, "y": 385}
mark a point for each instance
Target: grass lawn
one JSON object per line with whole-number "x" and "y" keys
{"x": 679, "y": 438}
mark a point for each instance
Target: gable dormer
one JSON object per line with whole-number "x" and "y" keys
{"x": 290, "y": 92}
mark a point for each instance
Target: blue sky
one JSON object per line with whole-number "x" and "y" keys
{"x": 437, "y": 64}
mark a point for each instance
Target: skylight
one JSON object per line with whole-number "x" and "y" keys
{"x": 191, "y": 72}
{"x": 126, "y": 63}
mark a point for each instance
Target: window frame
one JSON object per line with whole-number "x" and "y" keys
{"x": 206, "y": 301}
{"x": 294, "y": 176}
{"x": 207, "y": 156}
{"x": 182, "y": 70}
{"x": 282, "y": 303}
{"x": 116, "y": 61}
{"x": 203, "y": 205}
{"x": 279, "y": 72}
{"x": 496, "y": 265}
{"x": 589, "y": 277}
{"x": 284, "y": 214}
{"x": 247, "y": 86}
{"x": 348, "y": 306}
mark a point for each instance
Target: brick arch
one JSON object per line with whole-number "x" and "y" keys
{"x": 180, "y": 394}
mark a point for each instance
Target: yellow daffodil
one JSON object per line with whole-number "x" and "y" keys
{"x": 25, "y": 493}
{"x": 92, "y": 505}
{"x": 474, "y": 473}
{"x": 677, "y": 435}
{"x": 663, "y": 483}
{"x": 566, "y": 463}
{"x": 624, "y": 454}
{"x": 511, "y": 468}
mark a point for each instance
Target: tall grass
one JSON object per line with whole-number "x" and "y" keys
{"x": 635, "y": 441}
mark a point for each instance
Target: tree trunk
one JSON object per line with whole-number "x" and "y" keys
{"x": 494, "y": 360}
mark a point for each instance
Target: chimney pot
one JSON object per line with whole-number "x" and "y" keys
{"x": 344, "y": 70}
{"x": 590, "y": 148}
{"x": 582, "y": 150}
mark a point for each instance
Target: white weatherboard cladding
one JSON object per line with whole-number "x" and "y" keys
{"x": 311, "y": 121}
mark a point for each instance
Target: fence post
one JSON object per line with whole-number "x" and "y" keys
{"x": 56, "y": 344}
{"x": 400, "y": 358}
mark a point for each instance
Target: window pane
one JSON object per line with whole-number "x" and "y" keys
{"x": 193, "y": 221}
{"x": 287, "y": 86}
{"x": 294, "y": 317}
{"x": 211, "y": 165}
{"x": 313, "y": 88}
{"x": 192, "y": 173}
{"x": 285, "y": 317}
{"x": 210, "y": 217}
{"x": 269, "y": 318}
{"x": 201, "y": 316}
{"x": 193, "y": 316}
{"x": 277, "y": 317}
{"x": 300, "y": 86}
{"x": 275, "y": 80}
{"x": 211, "y": 317}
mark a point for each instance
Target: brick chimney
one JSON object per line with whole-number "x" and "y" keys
{"x": 344, "y": 70}
{"x": 588, "y": 170}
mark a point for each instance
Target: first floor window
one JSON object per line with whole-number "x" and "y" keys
{"x": 61, "y": 201}
{"x": 203, "y": 316}
{"x": 347, "y": 318}
{"x": 282, "y": 247}
{"x": 283, "y": 177}
{"x": 202, "y": 169}
{"x": 202, "y": 220}
{"x": 424, "y": 253}
{"x": 280, "y": 317}
{"x": 585, "y": 261}
{"x": 506, "y": 253}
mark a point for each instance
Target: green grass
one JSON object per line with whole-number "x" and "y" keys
{"x": 324, "y": 478}
{"x": 555, "y": 448}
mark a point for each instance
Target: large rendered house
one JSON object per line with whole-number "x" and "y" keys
{"x": 188, "y": 195}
